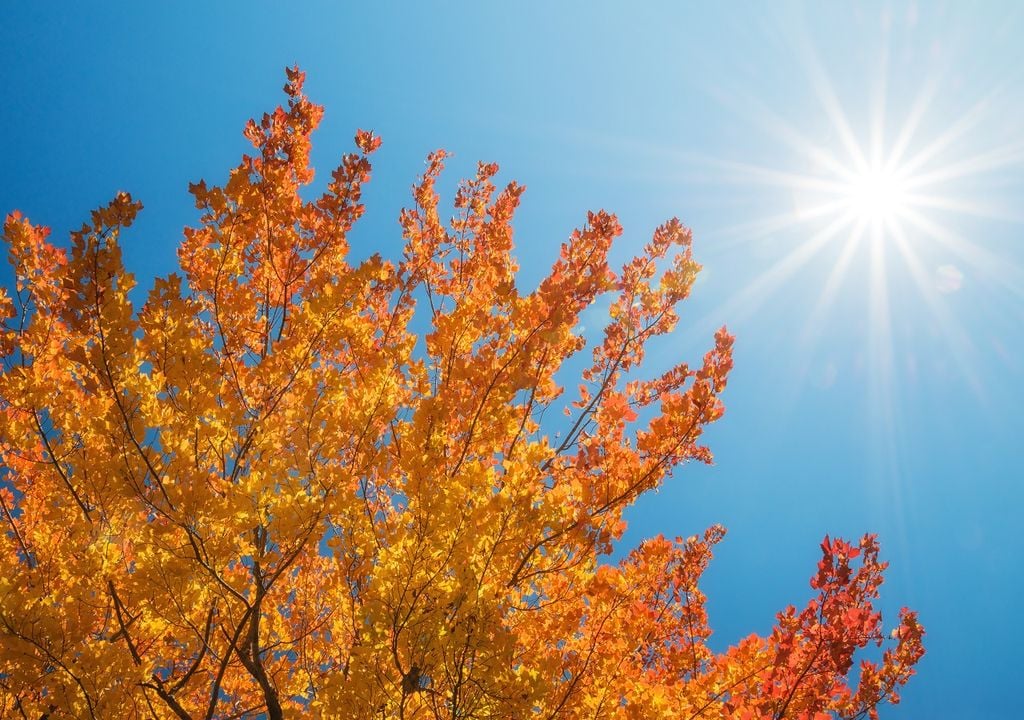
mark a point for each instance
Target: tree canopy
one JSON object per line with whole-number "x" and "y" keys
{"x": 265, "y": 493}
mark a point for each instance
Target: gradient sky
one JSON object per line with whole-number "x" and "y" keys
{"x": 878, "y": 383}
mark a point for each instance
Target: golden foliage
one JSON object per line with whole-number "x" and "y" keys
{"x": 266, "y": 494}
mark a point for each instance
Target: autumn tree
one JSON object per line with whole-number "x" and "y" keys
{"x": 264, "y": 494}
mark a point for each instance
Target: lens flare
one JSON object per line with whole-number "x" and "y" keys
{"x": 872, "y": 200}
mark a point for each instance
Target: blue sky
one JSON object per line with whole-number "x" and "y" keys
{"x": 853, "y": 174}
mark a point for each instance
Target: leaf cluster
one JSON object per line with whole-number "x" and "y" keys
{"x": 265, "y": 494}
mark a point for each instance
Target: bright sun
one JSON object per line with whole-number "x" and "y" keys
{"x": 878, "y": 196}
{"x": 864, "y": 211}
{"x": 869, "y": 200}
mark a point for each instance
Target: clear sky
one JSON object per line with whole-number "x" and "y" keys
{"x": 852, "y": 171}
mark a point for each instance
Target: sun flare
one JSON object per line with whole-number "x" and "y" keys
{"x": 877, "y": 196}
{"x": 874, "y": 202}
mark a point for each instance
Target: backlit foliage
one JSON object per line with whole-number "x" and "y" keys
{"x": 265, "y": 494}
